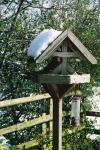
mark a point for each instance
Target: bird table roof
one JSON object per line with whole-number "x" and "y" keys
{"x": 49, "y": 40}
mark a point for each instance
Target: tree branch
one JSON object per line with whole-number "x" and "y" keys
{"x": 10, "y": 31}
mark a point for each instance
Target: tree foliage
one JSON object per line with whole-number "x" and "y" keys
{"x": 21, "y": 21}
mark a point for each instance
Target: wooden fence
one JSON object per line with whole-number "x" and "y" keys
{"x": 41, "y": 120}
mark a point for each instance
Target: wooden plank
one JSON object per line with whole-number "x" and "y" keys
{"x": 84, "y": 78}
{"x": 44, "y": 127}
{"x": 92, "y": 113}
{"x": 96, "y": 131}
{"x": 26, "y": 145}
{"x": 57, "y": 69}
{"x": 84, "y": 51}
{"x": 53, "y": 78}
{"x": 23, "y": 100}
{"x": 57, "y": 124}
{"x": 51, "y": 48}
{"x": 64, "y": 59}
{"x": 70, "y": 69}
{"x": 51, "y": 122}
{"x": 80, "y": 56}
{"x": 64, "y": 79}
{"x": 51, "y": 114}
{"x": 44, "y": 124}
{"x": 24, "y": 125}
{"x": 7, "y": 103}
{"x": 65, "y": 54}
{"x": 93, "y": 131}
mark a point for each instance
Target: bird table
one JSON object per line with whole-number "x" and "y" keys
{"x": 59, "y": 76}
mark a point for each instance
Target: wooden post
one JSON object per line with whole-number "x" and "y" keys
{"x": 44, "y": 124}
{"x": 64, "y": 61}
{"x": 51, "y": 122}
{"x": 51, "y": 114}
{"x": 44, "y": 129}
{"x": 57, "y": 124}
{"x": 57, "y": 112}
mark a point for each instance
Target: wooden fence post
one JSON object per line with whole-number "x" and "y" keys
{"x": 44, "y": 128}
{"x": 51, "y": 122}
{"x": 51, "y": 114}
{"x": 44, "y": 124}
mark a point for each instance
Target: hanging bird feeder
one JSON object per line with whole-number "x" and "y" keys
{"x": 75, "y": 110}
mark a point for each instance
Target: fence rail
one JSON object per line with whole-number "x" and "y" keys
{"x": 12, "y": 102}
{"x": 26, "y": 145}
{"x": 23, "y": 125}
{"x": 92, "y": 113}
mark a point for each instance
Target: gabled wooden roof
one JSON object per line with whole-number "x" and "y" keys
{"x": 78, "y": 47}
